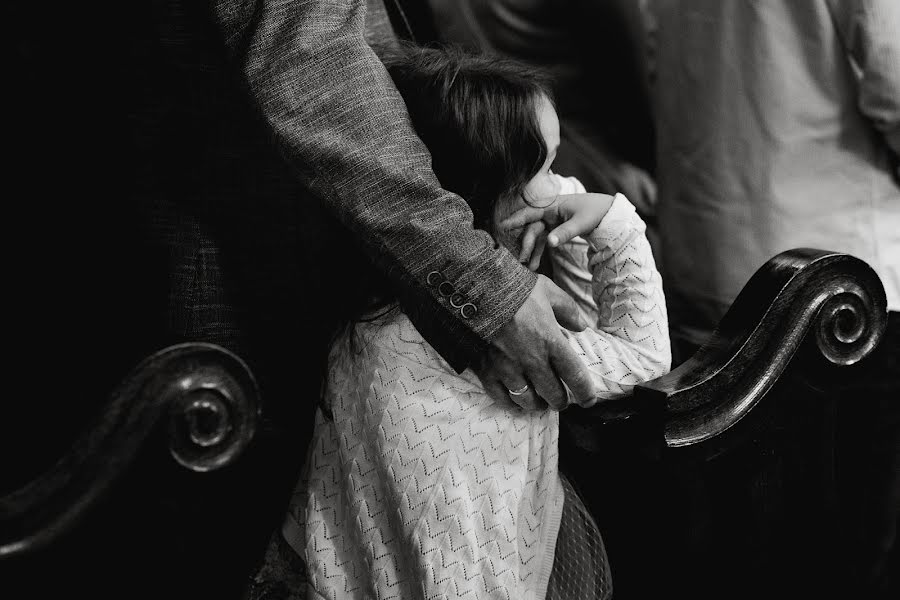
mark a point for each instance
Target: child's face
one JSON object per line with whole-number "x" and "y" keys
{"x": 543, "y": 188}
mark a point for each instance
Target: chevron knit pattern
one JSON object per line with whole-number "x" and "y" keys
{"x": 418, "y": 486}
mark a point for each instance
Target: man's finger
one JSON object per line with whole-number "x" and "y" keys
{"x": 497, "y": 392}
{"x": 526, "y": 399}
{"x": 573, "y": 373}
{"x": 547, "y": 385}
{"x": 514, "y": 384}
{"x": 564, "y": 307}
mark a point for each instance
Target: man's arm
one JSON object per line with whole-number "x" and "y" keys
{"x": 339, "y": 120}
{"x": 870, "y": 31}
{"x": 337, "y": 116}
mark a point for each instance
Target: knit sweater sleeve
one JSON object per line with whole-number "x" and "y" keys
{"x": 612, "y": 276}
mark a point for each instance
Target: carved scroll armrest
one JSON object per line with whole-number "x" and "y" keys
{"x": 211, "y": 402}
{"x": 835, "y": 298}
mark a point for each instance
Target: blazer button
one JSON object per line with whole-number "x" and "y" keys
{"x": 446, "y": 289}
{"x": 468, "y": 310}
{"x": 457, "y": 300}
{"x": 434, "y": 278}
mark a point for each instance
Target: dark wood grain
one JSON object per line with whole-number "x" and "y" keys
{"x": 721, "y": 470}
{"x": 722, "y": 479}
{"x": 205, "y": 394}
{"x": 833, "y": 297}
{"x": 836, "y": 298}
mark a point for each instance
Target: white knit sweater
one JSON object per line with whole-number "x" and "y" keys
{"x": 418, "y": 486}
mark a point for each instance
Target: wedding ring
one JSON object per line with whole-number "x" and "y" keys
{"x": 519, "y": 391}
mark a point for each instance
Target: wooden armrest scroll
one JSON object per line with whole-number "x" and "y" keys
{"x": 834, "y": 297}
{"x": 210, "y": 399}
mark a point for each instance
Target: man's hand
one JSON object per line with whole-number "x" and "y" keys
{"x": 531, "y": 351}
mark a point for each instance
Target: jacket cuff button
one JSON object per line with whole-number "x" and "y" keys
{"x": 446, "y": 289}
{"x": 434, "y": 278}
{"x": 457, "y": 300}
{"x": 468, "y": 310}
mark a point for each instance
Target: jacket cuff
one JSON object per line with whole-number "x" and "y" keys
{"x": 460, "y": 314}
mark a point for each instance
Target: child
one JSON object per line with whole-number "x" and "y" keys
{"x": 417, "y": 484}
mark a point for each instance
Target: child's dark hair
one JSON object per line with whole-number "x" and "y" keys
{"x": 477, "y": 115}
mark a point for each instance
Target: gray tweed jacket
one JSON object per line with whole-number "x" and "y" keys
{"x": 216, "y": 171}
{"x": 289, "y": 160}
{"x": 332, "y": 111}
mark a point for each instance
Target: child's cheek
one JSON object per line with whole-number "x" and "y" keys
{"x": 546, "y": 189}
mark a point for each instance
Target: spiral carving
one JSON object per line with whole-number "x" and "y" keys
{"x": 211, "y": 402}
{"x": 832, "y": 298}
{"x": 844, "y": 328}
{"x": 213, "y": 412}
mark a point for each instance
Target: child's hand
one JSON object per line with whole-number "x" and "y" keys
{"x": 533, "y": 242}
{"x": 570, "y": 216}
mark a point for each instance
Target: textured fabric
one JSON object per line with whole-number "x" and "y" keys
{"x": 778, "y": 127}
{"x": 417, "y": 485}
{"x": 421, "y": 486}
{"x": 612, "y": 276}
{"x": 380, "y": 29}
{"x": 237, "y": 113}
{"x": 340, "y": 123}
{"x": 580, "y": 564}
{"x": 282, "y": 575}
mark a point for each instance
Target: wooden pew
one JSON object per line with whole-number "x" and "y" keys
{"x": 716, "y": 480}
{"x": 138, "y": 506}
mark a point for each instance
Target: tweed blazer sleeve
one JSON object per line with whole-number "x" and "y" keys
{"x": 336, "y": 115}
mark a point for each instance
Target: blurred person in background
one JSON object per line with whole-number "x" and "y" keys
{"x": 778, "y": 126}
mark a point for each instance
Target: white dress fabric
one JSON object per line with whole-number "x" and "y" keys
{"x": 418, "y": 486}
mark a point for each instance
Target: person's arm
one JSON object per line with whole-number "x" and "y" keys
{"x": 338, "y": 118}
{"x": 612, "y": 275}
{"x": 340, "y": 122}
{"x": 601, "y": 258}
{"x": 870, "y": 31}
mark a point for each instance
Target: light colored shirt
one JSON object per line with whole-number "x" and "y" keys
{"x": 778, "y": 127}
{"x": 418, "y": 486}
